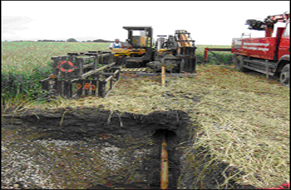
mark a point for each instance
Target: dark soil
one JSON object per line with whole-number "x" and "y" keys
{"x": 143, "y": 132}
{"x": 77, "y": 124}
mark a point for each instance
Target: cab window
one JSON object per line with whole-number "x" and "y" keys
{"x": 287, "y": 31}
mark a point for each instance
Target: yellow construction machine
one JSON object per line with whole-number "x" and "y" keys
{"x": 176, "y": 53}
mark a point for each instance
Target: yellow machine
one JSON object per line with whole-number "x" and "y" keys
{"x": 128, "y": 52}
{"x": 139, "y": 51}
{"x": 177, "y": 52}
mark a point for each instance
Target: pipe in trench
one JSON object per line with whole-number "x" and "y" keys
{"x": 164, "y": 165}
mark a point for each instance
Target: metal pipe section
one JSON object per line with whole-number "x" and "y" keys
{"x": 185, "y": 38}
{"x": 109, "y": 78}
{"x": 163, "y": 76}
{"x": 115, "y": 73}
{"x": 164, "y": 165}
{"x": 213, "y": 49}
{"x": 205, "y": 54}
{"x": 96, "y": 70}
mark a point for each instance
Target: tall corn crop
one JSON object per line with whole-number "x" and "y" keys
{"x": 24, "y": 64}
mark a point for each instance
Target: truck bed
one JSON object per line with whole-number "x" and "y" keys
{"x": 263, "y": 48}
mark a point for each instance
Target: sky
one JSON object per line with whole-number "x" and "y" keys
{"x": 209, "y": 22}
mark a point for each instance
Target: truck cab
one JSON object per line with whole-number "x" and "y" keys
{"x": 284, "y": 45}
{"x": 268, "y": 55}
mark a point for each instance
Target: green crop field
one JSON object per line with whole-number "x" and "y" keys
{"x": 25, "y": 63}
{"x": 28, "y": 62}
{"x": 242, "y": 119}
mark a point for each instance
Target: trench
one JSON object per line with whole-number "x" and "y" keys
{"x": 113, "y": 150}
{"x": 172, "y": 141}
{"x": 140, "y": 135}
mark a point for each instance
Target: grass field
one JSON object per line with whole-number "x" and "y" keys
{"x": 243, "y": 120}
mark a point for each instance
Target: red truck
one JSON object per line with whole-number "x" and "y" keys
{"x": 268, "y": 55}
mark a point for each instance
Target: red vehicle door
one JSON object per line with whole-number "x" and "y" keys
{"x": 284, "y": 46}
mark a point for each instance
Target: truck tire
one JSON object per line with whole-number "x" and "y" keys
{"x": 285, "y": 76}
{"x": 239, "y": 62}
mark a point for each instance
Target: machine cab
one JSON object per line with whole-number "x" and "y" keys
{"x": 139, "y": 36}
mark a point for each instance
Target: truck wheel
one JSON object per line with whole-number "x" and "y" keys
{"x": 239, "y": 62}
{"x": 285, "y": 75}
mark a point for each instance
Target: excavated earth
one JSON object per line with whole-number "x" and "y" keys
{"x": 129, "y": 145}
{"x": 111, "y": 133}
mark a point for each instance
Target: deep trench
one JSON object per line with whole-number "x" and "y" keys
{"x": 133, "y": 132}
{"x": 174, "y": 164}
{"x": 80, "y": 126}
